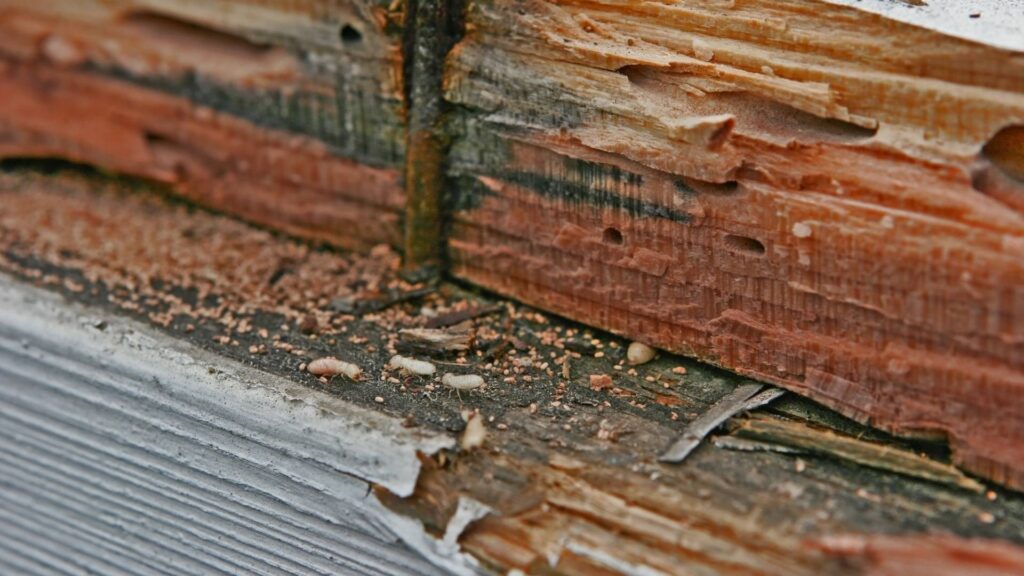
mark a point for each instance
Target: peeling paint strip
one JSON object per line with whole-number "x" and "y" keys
{"x": 445, "y": 552}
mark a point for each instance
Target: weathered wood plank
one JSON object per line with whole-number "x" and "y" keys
{"x": 286, "y": 182}
{"x": 569, "y": 472}
{"x": 288, "y": 115}
{"x": 804, "y": 192}
{"x": 330, "y": 69}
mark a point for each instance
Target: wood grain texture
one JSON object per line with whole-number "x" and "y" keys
{"x": 803, "y": 192}
{"x": 289, "y": 116}
{"x": 331, "y": 69}
{"x": 290, "y": 183}
{"x": 797, "y": 191}
{"x": 921, "y": 556}
{"x": 569, "y": 474}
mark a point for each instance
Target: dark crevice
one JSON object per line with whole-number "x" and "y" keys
{"x": 48, "y": 165}
{"x": 729, "y": 188}
{"x": 432, "y": 28}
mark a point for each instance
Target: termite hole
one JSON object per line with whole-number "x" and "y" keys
{"x": 350, "y": 35}
{"x": 612, "y": 236}
{"x": 999, "y": 171}
{"x": 1005, "y": 150}
{"x": 745, "y": 245}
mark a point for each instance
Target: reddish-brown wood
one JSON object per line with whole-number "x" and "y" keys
{"x": 806, "y": 193}
{"x": 925, "y": 555}
{"x": 794, "y": 190}
{"x": 234, "y": 108}
{"x": 290, "y": 183}
{"x": 569, "y": 472}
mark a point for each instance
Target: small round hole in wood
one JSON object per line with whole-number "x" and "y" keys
{"x": 612, "y": 236}
{"x": 744, "y": 245}
{"x": 1006, "y": 151}
{"x": 350, "y": 35}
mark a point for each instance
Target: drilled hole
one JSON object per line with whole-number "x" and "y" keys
{"x": 350, "y": 35}
{"x": 744, "y": 245}
{"x": 612, "y": 236}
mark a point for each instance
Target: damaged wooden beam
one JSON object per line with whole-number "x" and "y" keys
{"x": 802, "y": 192}
{"x": 157, "y": 376}
{"x": 824, "y": 195}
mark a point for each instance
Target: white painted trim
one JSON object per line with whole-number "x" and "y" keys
{"x": 1000, "y": 23}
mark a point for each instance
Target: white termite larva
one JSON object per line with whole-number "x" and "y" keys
{"x": 465, "y": 382}
{"x": 332, "y": 367}
{"x": 412, "y": 366}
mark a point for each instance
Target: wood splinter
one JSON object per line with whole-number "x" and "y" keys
{"x": 743, "y": 398}
{"x": 796, "y": 436}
